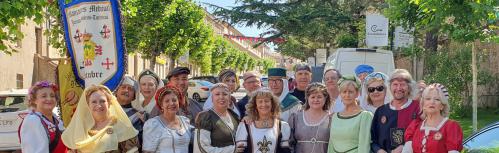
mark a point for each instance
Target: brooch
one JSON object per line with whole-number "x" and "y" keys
{"x": 109, "y": 131}
{"x": 383, "y": 119}
{"x": 437, "y": 136}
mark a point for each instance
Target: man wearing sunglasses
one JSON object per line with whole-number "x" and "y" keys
{"x": 390, "y": 120}
{"x": 278, "y": 84}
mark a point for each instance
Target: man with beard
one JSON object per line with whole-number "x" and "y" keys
{"x": 391, "y": 119}
{"x": 251, "y": 83}
{"x": 303, "y": 77}
{"x": 125, "y": 94}
{"x": 189, "y": 108}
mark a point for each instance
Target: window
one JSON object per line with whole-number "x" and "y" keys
{"x": 19, "y": 81}
{"x": 487, "y": 140}
{"x": 38, "y": 35}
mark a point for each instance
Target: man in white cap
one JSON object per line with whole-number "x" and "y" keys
{"x": 125, "y": 94}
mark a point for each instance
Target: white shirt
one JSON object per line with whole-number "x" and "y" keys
{"x": 267, "y": 137}
{"x": 161, "y": 139}
{"x": 34, "y": 138}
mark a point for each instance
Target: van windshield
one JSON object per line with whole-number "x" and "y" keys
{"x": 12, "y": 104}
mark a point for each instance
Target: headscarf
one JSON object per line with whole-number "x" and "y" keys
{"x": 128, "y": 80}
{"x": 137, "y": 103}
{"x": 225, "y": 73}
{"x": 161, "y": 92}
{"x": 375, "y": 76}
{"x": 76, "y": 135}
{"x": 285, "y": 89}
{"x": 363, "y": 69}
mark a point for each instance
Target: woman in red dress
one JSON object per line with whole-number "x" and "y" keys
{"x": 435, "y": 132}
{"x": 40, "y": 131}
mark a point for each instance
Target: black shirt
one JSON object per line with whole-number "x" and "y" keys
{"x": 299, "y": 94}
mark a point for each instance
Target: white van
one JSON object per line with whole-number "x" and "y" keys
{"x": 347, "y": 59}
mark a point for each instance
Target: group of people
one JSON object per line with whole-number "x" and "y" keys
{"x": 377, "y": 114}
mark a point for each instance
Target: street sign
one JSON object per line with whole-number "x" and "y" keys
{"x": 376, "y": 30}
{"x": 321, "y": 56}
{"x": 403, "y": 37}
{"x": 94, "y": 39}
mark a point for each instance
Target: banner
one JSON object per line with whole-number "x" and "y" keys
{"x": 403, "y": 38}
{"x": 69, "y": 90}
{"x": 93, "y": 34}
{"x": 376, "y": 30}
{"x": 255, "y": 39}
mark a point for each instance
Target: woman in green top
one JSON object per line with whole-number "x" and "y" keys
{"x": 350, "y": 129}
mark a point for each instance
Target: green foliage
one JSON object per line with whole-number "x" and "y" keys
{"x": 219, "y": 54}
{"x": 56, "y": 31}
{"x": 453, "y": 70}
{"x": 304, "y": 24}
{"x": 266, "y": 64}
{"x": 347, "y": 41}
{"x": 14, "y": 13}
{"x": 464, "y": 20}
{"x": 170, "y": 27}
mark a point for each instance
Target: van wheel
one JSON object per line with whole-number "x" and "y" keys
{"x": 196, "y": 97}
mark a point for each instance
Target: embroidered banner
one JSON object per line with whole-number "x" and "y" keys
{"x": 69, "y": 90}
{"x": 93, "y": 34}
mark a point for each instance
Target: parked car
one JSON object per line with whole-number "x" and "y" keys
{"x": 486, "y": 140}
{"x": 13, "y": 108}
{"x": 211, "y": 79}
{"x": 199, "y": 90}
{"x": 265, "y": 81}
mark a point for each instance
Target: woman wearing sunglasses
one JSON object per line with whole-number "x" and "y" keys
{"x": 375, "y": 85}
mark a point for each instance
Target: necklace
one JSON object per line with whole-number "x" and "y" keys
{"x": 265, "y": 123}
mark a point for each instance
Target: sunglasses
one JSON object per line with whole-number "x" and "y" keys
{"x": 378, "y": 88}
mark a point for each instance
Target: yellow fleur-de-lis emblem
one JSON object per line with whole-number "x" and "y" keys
{"x": 263, "y": 146}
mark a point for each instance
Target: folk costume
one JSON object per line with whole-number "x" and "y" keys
{"x": 446, "y": 137}
{"x": 309, "y": 138}
{"x": 289, "y": 103}
{"x": 191, "y": 107}
{"x": 350, "y": 134}
{"x": 388, "y": 125}
{"x": 264, "y": 140}
{"x": 38, "y": 135}
{"x": 215, "y": 133}
{"x": 150, "y": 109}
{"x": 118, "y": 136}
{"x": 162, "y": 139}
{"x": 226, "y": 73}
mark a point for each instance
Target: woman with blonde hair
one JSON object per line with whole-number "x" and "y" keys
{"x": 435, "y": 132}
{"x": 375, "y": 88}
{"x": 99, "y": 124}
{"x": 216, "y": 128}
{"x": 310, "y": 127}
{"x": 266, "y": 133}
{"x": 350, "y": 129}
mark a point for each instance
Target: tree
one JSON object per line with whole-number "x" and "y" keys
{"x": 305, "y": 21}
{"x": 170, "y": 27}
{"x": 464, "y": 21}
{"x": 14, "y": 13}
